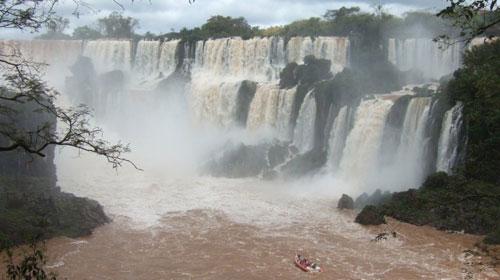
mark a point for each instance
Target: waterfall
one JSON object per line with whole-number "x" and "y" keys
{"x": 409, "y": 165}
{"x": 434, "y": 59}
{"x": 264, "y": 107}
{"x": 271, "y": 108}
{"x": 261, "y": 59}
{"x": 334, "y": 49}
{"x": 338, "y": 135}
{"x": 360, "y": 155}
{"x": 109, "y": 55}
{"x": 146, "y": 59}
{"x": 449, "y": 139}
{"x": 58, "y": 54}
{"x": 240, "y": 59}
{"x": 215, "y": 104}
{"x": 168, "y": 60}
{"x": 303, "y": 136}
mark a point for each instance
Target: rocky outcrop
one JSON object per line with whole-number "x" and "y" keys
{"x": 370, "y": 215}
{"x": 345, "y": 202}
{"x": 33, "y": 208}
{"x": 240, "y": 160}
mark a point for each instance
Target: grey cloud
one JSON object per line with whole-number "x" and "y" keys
{"x": 162, "y": 16}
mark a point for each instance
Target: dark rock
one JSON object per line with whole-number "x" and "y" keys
{"x": 33, "y": 208}
{"x": 304, "y": 164}
{"x": 246, "y": 93}
{"x": 377, "y": 198}
{"x": 370, "y": 215}
{"x": 345, "y": 202}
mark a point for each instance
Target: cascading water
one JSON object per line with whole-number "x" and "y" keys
{"x": 359, "y": 162}
{"x": 338, "y": 135}
{"x": 271, "y": 109}
{"x": 408, "y": 167}
{"x": 433, "y": 59}
{"x": 146, "y": 59}
{"x": 168, "y": 60}
{"x": 449, "y": 139}
{"x": 303, "y": 136}
{"x": 109, "y": 55}
{"x": 331, "y": 48}
{"x": 215, "y": 104}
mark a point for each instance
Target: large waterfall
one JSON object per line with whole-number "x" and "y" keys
{"x": 359, "y": 163}
{"x": 433, "y": 59}
{"x": 231, "y": 83}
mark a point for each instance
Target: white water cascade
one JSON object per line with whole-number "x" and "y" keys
{"x": 215, "y": 104}
{"x": 409, "y": 165}
{"x": 303, "y": 136}
{"x": 271, "y": 109}
{"x": 433, "y": 59}
{"x": 338, "y": 135}
{"x": 331, "y": 48}
{"x": 109, "y": 55}
{"x": 359, "y": 162}
{"x": 168, "y": 60}
{"x": 449, "y": 139}
{"x": 146, "y": 59}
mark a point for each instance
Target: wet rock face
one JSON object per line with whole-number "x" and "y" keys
{"x": 345, "y": 202}
{"x": 370, "y": 215}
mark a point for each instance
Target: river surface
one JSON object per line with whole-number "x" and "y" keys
{"x": 167, "y": 225}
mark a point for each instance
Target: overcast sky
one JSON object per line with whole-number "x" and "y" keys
{"x": 160, "y": 16}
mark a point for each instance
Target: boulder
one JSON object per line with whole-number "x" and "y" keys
{"x": 370, "y": 215}
{"x": 345, "y": 202}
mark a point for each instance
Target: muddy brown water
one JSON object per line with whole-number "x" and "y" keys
{"x": 188, "y": 227}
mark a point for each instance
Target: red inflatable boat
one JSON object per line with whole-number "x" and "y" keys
{"x": 306, "y": 265}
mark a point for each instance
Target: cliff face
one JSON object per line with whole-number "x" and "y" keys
{"x": 31, "y": 205}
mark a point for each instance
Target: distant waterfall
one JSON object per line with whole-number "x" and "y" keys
{"x": 449, "y": 139}
{"x": 433, "y": 59}
{"x": 146, "y": 58}
{"x": 257, "y": 59}
{"x": 409, "y": 160}
{"x": 359, "y": 161}
{"x": 271, "y": 108}
{"x": 168, "y": 60}
{"x": 58, "y": 54}
{"x": 261, "y": 59}
{"x": 303, "y": 136}
{"x": 334, "y": 49}
{"x": 109, "y": 55}
{"x": 338, "y": 135}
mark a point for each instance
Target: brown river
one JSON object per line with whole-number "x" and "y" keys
{"x": 168, "y": 225}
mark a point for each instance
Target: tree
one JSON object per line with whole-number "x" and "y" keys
{"x": 86, "y": 33}
{"x": 221, "y": 26}
{"x": 24, "y": 91}
{"x": 117, "y": 26}
{"x": 473, "y": 18}
{"x": 55, "y": 29}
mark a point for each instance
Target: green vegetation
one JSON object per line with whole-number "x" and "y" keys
{"x": 477, "y": 85}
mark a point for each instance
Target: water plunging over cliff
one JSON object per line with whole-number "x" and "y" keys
{"x": 359, "y": 163}
{"x": 433, "y": 59}
{"x": 449, "y": 140}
